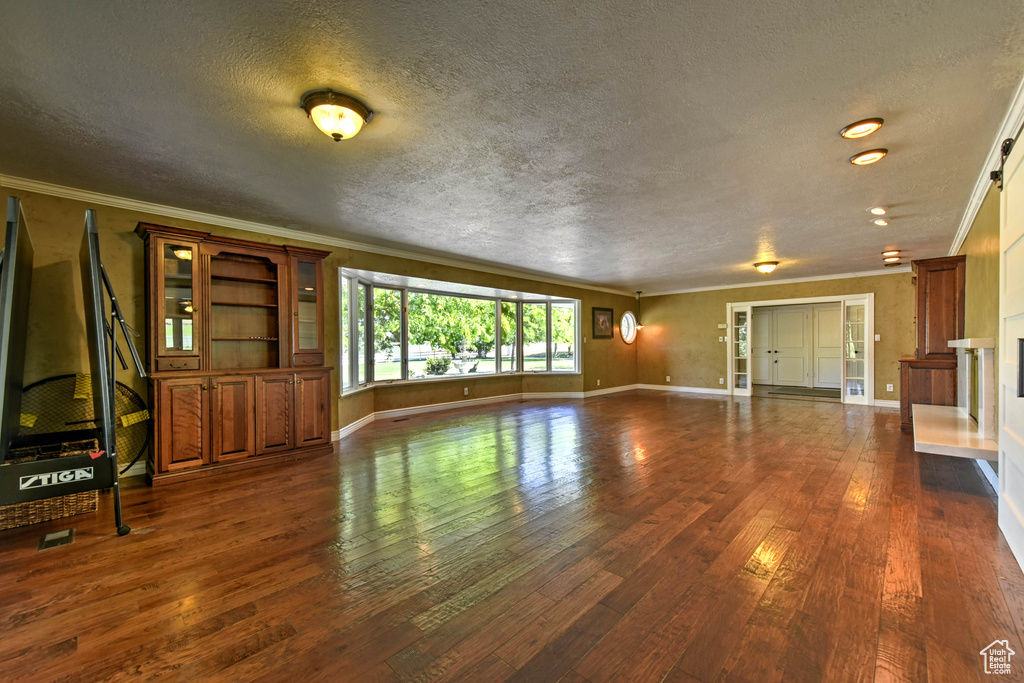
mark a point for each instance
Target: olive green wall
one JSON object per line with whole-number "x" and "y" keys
{"x": 680, "y": 335}
{"x": 57, "y": 327}
{"x": 981, "y": 246}
{"x": 981, "y": 298}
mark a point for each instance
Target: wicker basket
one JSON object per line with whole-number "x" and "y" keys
{"x": 35, "y": 511}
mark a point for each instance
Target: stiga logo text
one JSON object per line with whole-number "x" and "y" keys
{"x": 35, "y": 481}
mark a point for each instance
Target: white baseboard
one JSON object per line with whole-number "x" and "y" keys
{"x": 886, "y": 403}
{"x": 551, "y": 394}
{"x": 449, "y": 405}
{"x": 989, "y": 473}
{"x": 610, "y": 390}
{"x": 136, "y": 470}
{"x": 339, "y": 434}
{"x": 684, "y": 390}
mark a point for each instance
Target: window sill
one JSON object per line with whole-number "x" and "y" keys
{"x": 455, "y": 378}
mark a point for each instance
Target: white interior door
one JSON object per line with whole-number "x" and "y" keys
{"x": 828, "y": 346}
{"x": 739, "y": 350}
{"x": 792, "y": 346}
{"x": 1011, "y": 352}
{"x": 761, "y": 356}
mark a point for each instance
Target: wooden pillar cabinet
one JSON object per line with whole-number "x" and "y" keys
{"x": 930, "y": 377}
{"x": 235, "y": 349}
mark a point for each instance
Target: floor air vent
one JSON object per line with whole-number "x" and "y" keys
{"x": 65, "y": 537}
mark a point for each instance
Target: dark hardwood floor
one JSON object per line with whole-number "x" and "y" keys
{"x": 639, "y": 536}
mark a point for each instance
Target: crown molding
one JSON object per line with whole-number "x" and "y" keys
{"x": 792, "y": 280}
{"x": 1012, "y": 123}
{"x": 87, "y": 196}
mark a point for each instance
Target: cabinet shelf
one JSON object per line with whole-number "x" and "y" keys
{"x": 243, "y": 278}
{"x": 242, "y": 304}
{"x": 235, "y": 339}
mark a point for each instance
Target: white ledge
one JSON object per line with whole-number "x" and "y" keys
{"x": 948, "y": 430}
{"x": 972, "y": 343}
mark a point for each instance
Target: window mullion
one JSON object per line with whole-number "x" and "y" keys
{"x": 549, "y": 354}
{"x": 497, "y": 335}
{"x": 405, "y": 333}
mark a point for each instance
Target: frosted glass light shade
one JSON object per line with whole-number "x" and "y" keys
{"x": 339, "y": 116}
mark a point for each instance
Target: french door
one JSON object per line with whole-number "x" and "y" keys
{"x": 857, "y": 330}
{"x": 1011, "y": 354}
{"x": 739, "y": 345}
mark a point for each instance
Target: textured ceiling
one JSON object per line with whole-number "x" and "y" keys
{"x": 644, "y": 145}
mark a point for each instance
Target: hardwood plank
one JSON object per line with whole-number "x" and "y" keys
{"x": 640, "y": 535}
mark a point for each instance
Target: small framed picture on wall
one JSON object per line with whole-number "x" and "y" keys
{"x": 604, "y": 327}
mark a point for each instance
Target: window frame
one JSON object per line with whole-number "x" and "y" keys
{"x": 350, "y": 328}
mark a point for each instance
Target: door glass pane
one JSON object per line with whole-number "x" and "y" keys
{"x": 387, "y": 334}
{"x": 563, "y": 337}
{"x": 535, "y": 337}
{"x": 361, "y": 295}
{"x": 509, "y": 361}
{"x": 307, "y": 297}
{"x": 346, "y": 372}
{"x": 854, "y": 347}
{"x": 178, "y": 306}
{"x": 740, "y": 348}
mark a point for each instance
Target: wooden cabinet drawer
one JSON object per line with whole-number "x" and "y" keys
{"x": 185, "y": 363}
{"x": 308, "y": 359}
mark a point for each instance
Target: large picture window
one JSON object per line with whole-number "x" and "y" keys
{"x": 394, "y": 331}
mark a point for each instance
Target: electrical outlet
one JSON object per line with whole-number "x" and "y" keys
{"x": 721, "y": 380}
{"x": 888, "y": 387}
{"x": 465, "y": 391}
{"x": 721, "y": 339}
{"x": 878, "y": 337}
{"x": 668, "y": 378}
{"x": 598, "y": 382}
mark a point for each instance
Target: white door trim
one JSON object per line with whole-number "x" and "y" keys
{"x": 869, "y": 300}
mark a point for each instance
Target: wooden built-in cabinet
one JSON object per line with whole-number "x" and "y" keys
{"x": 235, "y": 345}
{"x": 930, "y": 376}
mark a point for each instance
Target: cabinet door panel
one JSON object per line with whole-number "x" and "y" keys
{"x": 275, "y": 413}
{"x": 234, "y": 418}
{"x": 940, "y": 308}
{"x": 182, "y": 421}
{"x": 312, "y": 415}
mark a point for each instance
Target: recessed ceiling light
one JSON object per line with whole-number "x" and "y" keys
{"x": 338, "y": 115}
{"x": 766, "y": 266}
{"x": 868, "y": 157}
{"x": 860, "y": 129}
{"x": 892, "y": 259}
{"x": 891, "y": 252}
{"x": 880, "y": 221}
{"x": 877, "y": 210}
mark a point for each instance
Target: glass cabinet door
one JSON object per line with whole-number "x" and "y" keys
{"x": 177, "y": 268}
{"x": 308, "y": 319}
{"x": 307, "y": 311}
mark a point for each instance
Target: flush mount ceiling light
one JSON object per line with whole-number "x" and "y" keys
{"x": 338, "y": 115}
{"x": 877, "y": 210}
{"x": 891, "y": 259}
{"x": 868, "y": 157}
{"x": 891, "y": 252}
{"x": 880, "y": 221}
{"x": 766, "y": 266}
{"x": 861, "y": 129}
